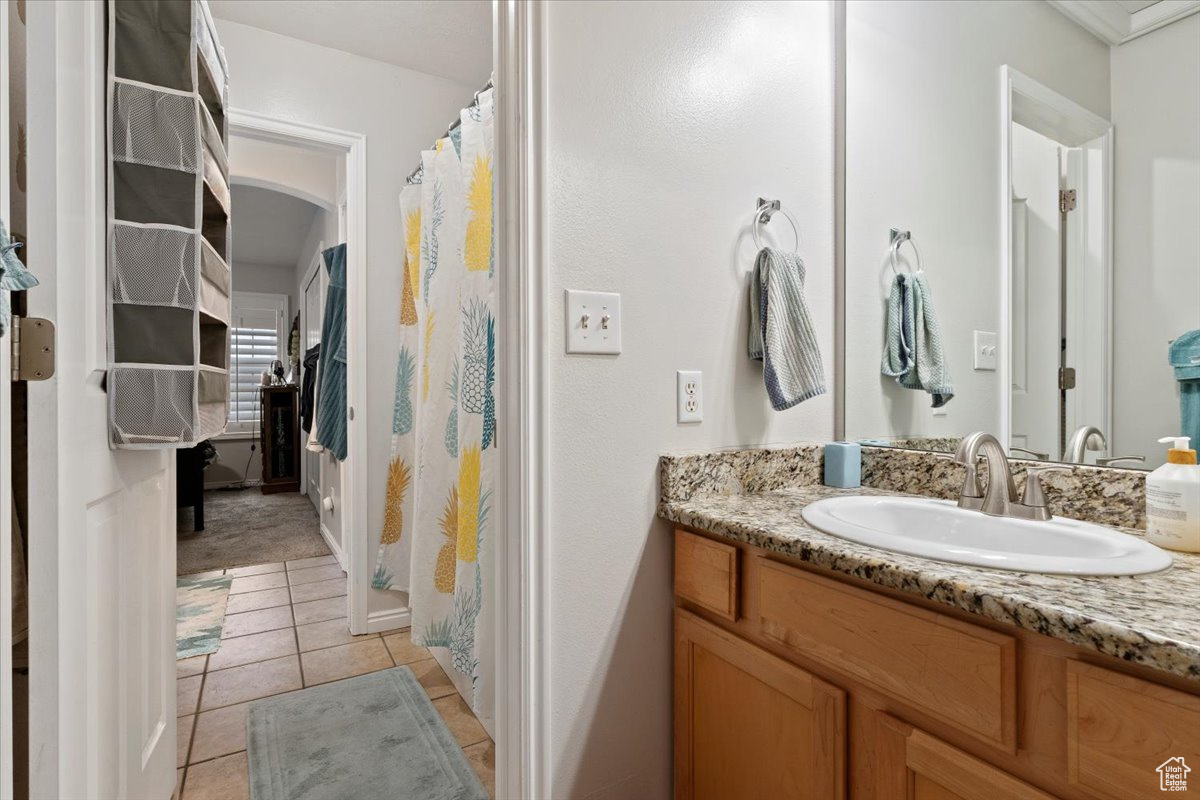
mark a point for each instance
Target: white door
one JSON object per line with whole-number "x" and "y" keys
{"x": 323, "y": 472}
{"x": 314, "y": 302}
{"x": 101, "y": 522}
{"x": 1035, "y": 289}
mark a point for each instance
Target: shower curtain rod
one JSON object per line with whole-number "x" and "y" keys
{"x": 418, "y": 173}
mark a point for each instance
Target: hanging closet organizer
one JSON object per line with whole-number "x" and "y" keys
{"x": 168, "y": 225}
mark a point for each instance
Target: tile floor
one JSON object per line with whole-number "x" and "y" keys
{"x": 286, "y": 629}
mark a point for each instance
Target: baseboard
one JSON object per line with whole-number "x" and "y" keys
{"x": 334, "y": 546}
{"x": 389, "y": 620}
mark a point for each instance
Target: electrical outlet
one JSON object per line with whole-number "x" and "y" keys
{"x": 689, "y": 395}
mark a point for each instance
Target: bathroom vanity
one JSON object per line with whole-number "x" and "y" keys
{"x": 811, "y": 666}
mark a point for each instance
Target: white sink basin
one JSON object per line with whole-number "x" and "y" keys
{"x": 940, "y": 530}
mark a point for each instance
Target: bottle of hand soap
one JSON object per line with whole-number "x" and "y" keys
{"x": 1173, "y": 499}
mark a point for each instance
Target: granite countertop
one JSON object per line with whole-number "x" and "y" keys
{"x": 1152, "y": 620}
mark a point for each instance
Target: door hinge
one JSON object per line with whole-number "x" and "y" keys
{"x": 1066, "y": 378}
{"x": 1066, "y": 200}
{"x": 32, "y": 349}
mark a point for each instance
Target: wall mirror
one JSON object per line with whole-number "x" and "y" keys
{"x": 1022, "y": 224}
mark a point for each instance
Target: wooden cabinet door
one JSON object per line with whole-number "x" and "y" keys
{"x": 751, "y": 725}
{"x": 909, "y": 763}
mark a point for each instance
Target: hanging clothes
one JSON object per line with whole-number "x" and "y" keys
{"x": 13, "y": 275}
{"x": 331, "y": 365}
{"x": 436, "y": 541}
{"x": 308, "y": 387}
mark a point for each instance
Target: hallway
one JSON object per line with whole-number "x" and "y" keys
{"x": 286, "y": 629}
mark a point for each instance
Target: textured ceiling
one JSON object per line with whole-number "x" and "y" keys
{"x": 449, "y": 39}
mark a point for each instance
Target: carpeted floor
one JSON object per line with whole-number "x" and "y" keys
{"x": 244, "y": 527}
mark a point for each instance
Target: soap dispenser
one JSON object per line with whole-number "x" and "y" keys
{"x": 1173, "y": 499}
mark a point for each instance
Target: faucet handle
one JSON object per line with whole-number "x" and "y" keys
{"x": 1033, "y": 496}
{"x": 970, "y": 487}
{"x": 1108, "y": 462}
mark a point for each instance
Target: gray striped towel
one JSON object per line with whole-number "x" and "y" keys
{"x": 781, "y": 330}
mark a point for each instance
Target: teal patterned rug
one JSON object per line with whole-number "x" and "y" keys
{"x": 200, "y": 614}
{"x": 373, "y": 736}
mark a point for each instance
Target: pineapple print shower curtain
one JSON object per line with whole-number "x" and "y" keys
{"x": 438, "y": 524}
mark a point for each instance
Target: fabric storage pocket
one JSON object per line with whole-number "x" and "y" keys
{"x": 153, "y": 334}
{"x": 209, "y": 50}
{"x": 153, "y": 266}
{"x": 152, "y": 42}
{"x": 214, "y": 284}
{"x": 158, "y": 129}
{"x": 152, "y": 195}
{"x": 150, "y": 406}
{"x": 212, "y": 396}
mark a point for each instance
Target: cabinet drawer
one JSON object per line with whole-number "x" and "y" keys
{"x": 954, "y": 671}
{"x": 1120, "y": 730}
{"x": 706, "y": 573}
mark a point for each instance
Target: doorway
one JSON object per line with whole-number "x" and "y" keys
{"x": 1057, "y": 268}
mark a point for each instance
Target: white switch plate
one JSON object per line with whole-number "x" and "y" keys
{"x": 593, "y": 322}
{"x": 985, "y": 350}
{"x": 689, "y": 395}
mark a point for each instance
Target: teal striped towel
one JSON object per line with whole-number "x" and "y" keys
{"x": 1184, "y": 356}
{"x": 781, "y": 330}
{"x": 912, "y": 352}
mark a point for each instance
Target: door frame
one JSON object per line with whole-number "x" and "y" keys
{"x": 6, "y": 499}
{"x": 353, "y": 146}
{"x": 1028, "y": 102}
{"x": 520, "y": 48}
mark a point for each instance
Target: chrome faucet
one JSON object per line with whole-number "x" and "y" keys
{"x": 1088, "y": 437}
{"x": 1001, "y": 490}
{"x": 1000, "y": 498}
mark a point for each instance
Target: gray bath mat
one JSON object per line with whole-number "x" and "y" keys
{"x": 374, "y": 736}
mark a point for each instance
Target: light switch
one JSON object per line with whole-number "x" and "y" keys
{"x": 985, "y": 350}
{"x": 593, "y": 322}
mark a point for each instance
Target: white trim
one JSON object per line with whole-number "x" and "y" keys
{"x": 356, "y": 544}
{"x": 1114, "y": 25}
{"x": 6, "y": 606}
{"x": 389, "y": 620}
{"x": 1004, "y": 328}
{"x": 522, "y": 711}
{"x": 335, "y": 546}
{"x": 1024, "y": 100}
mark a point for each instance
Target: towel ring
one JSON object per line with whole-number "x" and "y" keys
{"x": 762, "y": 215}
{"x": 899, "y": 237}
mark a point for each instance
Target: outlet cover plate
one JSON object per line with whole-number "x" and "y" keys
{"x": 689, "y": 395}
{"x": 587, "y": 329}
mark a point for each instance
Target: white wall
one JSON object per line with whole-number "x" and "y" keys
{"x": 400, "y": 112}
{"x": 1156, "y": 283}
{"x": 923, "y": 154}
{"x": 665, "y": 122}
{"x": 268, "y": 278}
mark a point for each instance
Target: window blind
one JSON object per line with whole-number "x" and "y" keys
{"x": 254, "y": 344}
